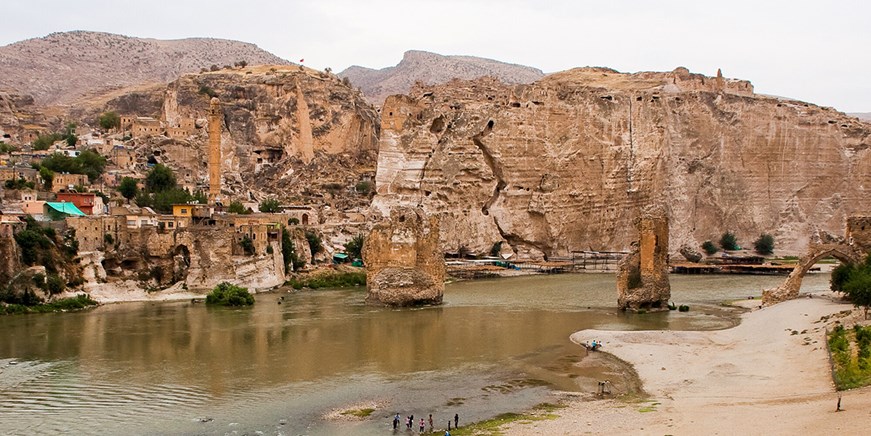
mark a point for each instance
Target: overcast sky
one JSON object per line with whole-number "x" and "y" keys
{"x": 817, "y": 51}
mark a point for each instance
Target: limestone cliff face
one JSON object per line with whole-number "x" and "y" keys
{"x": 568, "y": 162}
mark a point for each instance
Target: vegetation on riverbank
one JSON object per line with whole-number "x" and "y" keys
{"x": 338, "y": 279}
{"x": 493, "y": 426}
{"x": 78, "y": 302}
{"x": 228, "y": 294}
{"x": 851, "y": 356}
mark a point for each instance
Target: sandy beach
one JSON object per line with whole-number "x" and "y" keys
{"x": 768, "y": 375}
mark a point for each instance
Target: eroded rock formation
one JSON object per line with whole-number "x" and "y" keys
{"x": 567, "y": 162}
{"x": 642, "y": 276}
{"x": 851, "y": 249}
{"x": 404, "y": 263}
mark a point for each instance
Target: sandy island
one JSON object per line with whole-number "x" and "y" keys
{"x": 756, "y": 378}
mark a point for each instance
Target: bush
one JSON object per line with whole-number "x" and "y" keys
{"x": 128, "y": 188}
{"x": 364, "y": 187}
{"x": 160, "y": 178}
{"x": 314, "y": 242}
{"x": 683, "y": 308}
{"x": 236, "y": 206}
{"x": 30, "y": 303}
{"x": 334, "y": 280}
{"x": 764, "y": 244}
{"x": 288, "y": 252}
{"x": 354, "y": 247}
{"x": 205, "y": 90}
{"x": 43, "y": 142}
{"x": 55, "y": 284}
{"x": 729, "y": 242}
{"x": 709, "y": 248}
{"x": 270, "y": 205}
{"x": 110, "y": 120}
{"x": 227, "y": 294}
{"x": 294, "y": 221}
{"x": 247, "y": 245}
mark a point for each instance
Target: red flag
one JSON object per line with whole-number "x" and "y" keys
{"x": 301, "y": 60}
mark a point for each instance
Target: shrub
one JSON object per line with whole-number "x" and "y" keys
{"x": 314, "y": 242}
{"x": 709, "y": 248}
{"x": 128, "y": 188}
{"x": 288, "y": 252}
{"x": 247, "y": 245}
{"x": 227, "y": 294}
{"x": 764, "y": 244}
{"x": 683, "y": 308}
{"x": 236, "y": 206}
{"x": 294, "y": 221}
{"x": 354, "y": 247}
{"x": 334, "y": 280}
{"x": 728, "y": 241}
{"x": 55, "y": 284}
{"x": 110, "y": 120}
{"x": 160, "y": 178}
{"x": 364, "y": 187}
{"x": 270, "y": 205}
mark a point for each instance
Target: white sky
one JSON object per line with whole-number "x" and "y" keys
{"x": 817, "y": 51}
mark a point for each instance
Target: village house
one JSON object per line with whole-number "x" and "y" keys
{"x": 67, "y": 181}
{"x": 87, "y": 202}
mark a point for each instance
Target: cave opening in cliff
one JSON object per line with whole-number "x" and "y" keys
{"x": 438, "y": 125}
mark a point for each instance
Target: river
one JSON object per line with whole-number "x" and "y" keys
{"x": 282, "y": 366}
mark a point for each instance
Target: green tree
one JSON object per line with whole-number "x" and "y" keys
{"x": 247, "y": 245}
{"x": 43, "y": 142}
{"x": 709, "y": 248}
{"x": 314, "y": 242}
{"x": 70, "y": 135}
{"x": 764, "y": 244}
{"x": 110, "y": 120}
{"x": 354, "y": 247}
{"x": 47, "y": 177}
{"x": 728, "y": 241}
{"x": 128, "y": 188}
{"x": 270, "y": 205}
{"x": 236, "y": 206}
{"x": 160, "y": 178}
{"x": 228, "y": 294}
{"x": 91, "y": 164}
{"x": 288, "y": 252}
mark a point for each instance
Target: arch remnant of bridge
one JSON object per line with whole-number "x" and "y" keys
{"x": 642, "y": 276}
{"x": 851, "y": 249}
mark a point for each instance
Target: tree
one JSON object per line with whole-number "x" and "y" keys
{"x": 228, "y": 294}
{"x": 47, "y": 177}
{"x": 236, "y": 206}
{"x": 110, "y": 120}
{"x": 314, "y": 242}
{"x": 70, "y": 135}
{"x": 270, "y": 205}
{"x": 159, "y": 179}
{"x": 128, "y": 188}
{"x": 729, "y": 242}
{"x": 43, "y": 142}
{"x": 91, "y": 164}
{"x": 764, "y": 244}
{"x": 709, "y": 248}
{"x": 354, "y": 247}
{"x": 854, "y": 280}
{"x": 288, "y": 252}
{"x": 247, "y": 245}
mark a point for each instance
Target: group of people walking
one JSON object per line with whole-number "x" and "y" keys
{"x": 409, "y": 423}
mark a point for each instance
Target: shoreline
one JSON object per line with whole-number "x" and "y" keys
{"x": 769, "y": 374}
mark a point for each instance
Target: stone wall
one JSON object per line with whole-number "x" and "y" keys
{"x": 642, "y": 276}
{"x": 404, "y": 263}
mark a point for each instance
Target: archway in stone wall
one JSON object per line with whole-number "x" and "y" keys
{"x": 790, "y": 287}
{"x": 305, "y": 219}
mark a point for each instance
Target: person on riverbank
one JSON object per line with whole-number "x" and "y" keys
{"x": 456, "y": 420}
{"x": 430, "y": 422}
{"x": 422, "y": 425}
{"x": 396, "y": 422}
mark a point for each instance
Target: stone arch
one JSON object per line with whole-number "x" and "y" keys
{"x": 790, "y": 287}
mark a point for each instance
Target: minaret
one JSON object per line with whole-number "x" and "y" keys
{"x": 215, "y": 120}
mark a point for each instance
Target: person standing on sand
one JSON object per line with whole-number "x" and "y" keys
{"x": 456, "y": 420}
{"x": 430, "y": 422}
{"x": 421, "y": 425}
{"x": 395, "y": 421}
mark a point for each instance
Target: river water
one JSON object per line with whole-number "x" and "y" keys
{"x": 287, "y": 364}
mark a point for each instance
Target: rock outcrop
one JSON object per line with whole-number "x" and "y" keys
{"x": 642, "y": 276}
{"x": 404, "y": 263}
{"x": 567, "y": 162}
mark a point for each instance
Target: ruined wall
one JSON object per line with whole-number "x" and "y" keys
{"x": 404, "y": 264}
{"x": 567, "y": 162}
{"x": 642, "y": 276}
{"x": 858, "y": 232}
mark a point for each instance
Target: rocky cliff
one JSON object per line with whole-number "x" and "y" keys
{"x": 433, "y": 69}
{"x": 567, "y": 162}
{"x": 294, "y": 133}
{"x": 65, "y": 66}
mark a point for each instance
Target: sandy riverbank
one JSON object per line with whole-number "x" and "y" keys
{"x": 756, "y": 378}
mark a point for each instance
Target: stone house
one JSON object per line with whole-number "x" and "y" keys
{"x": 67, "y": 181}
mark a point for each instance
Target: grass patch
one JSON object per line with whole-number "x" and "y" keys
{"x": 330, "y": 280}
{"x": 359, "y": 413}
{"x": 650, "y": 407}
{"x": 851, "y": 356}
{"x": 78, "y": 302}
{"x": 493, "y": 426}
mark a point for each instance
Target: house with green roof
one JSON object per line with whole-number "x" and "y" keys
{"x": 59, "y": 210}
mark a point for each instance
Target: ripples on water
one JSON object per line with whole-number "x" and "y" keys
{"x": 162, "y": 368}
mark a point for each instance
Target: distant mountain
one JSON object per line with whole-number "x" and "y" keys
{"x": 864, "y": 116}
{"x": 433, "y": 69}
{"x": 62, "y": 67}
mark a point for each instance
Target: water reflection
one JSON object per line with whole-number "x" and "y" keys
{"x": 155, "y": 359}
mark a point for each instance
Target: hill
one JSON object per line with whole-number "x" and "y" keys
{"x": 864, "y": 116}
{"x": 433, "y": 69}
{"x": 63, "y": 67}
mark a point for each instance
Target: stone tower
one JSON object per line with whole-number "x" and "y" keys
{"x": 215, "y": 123}
{"x": 642, "y": 276}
